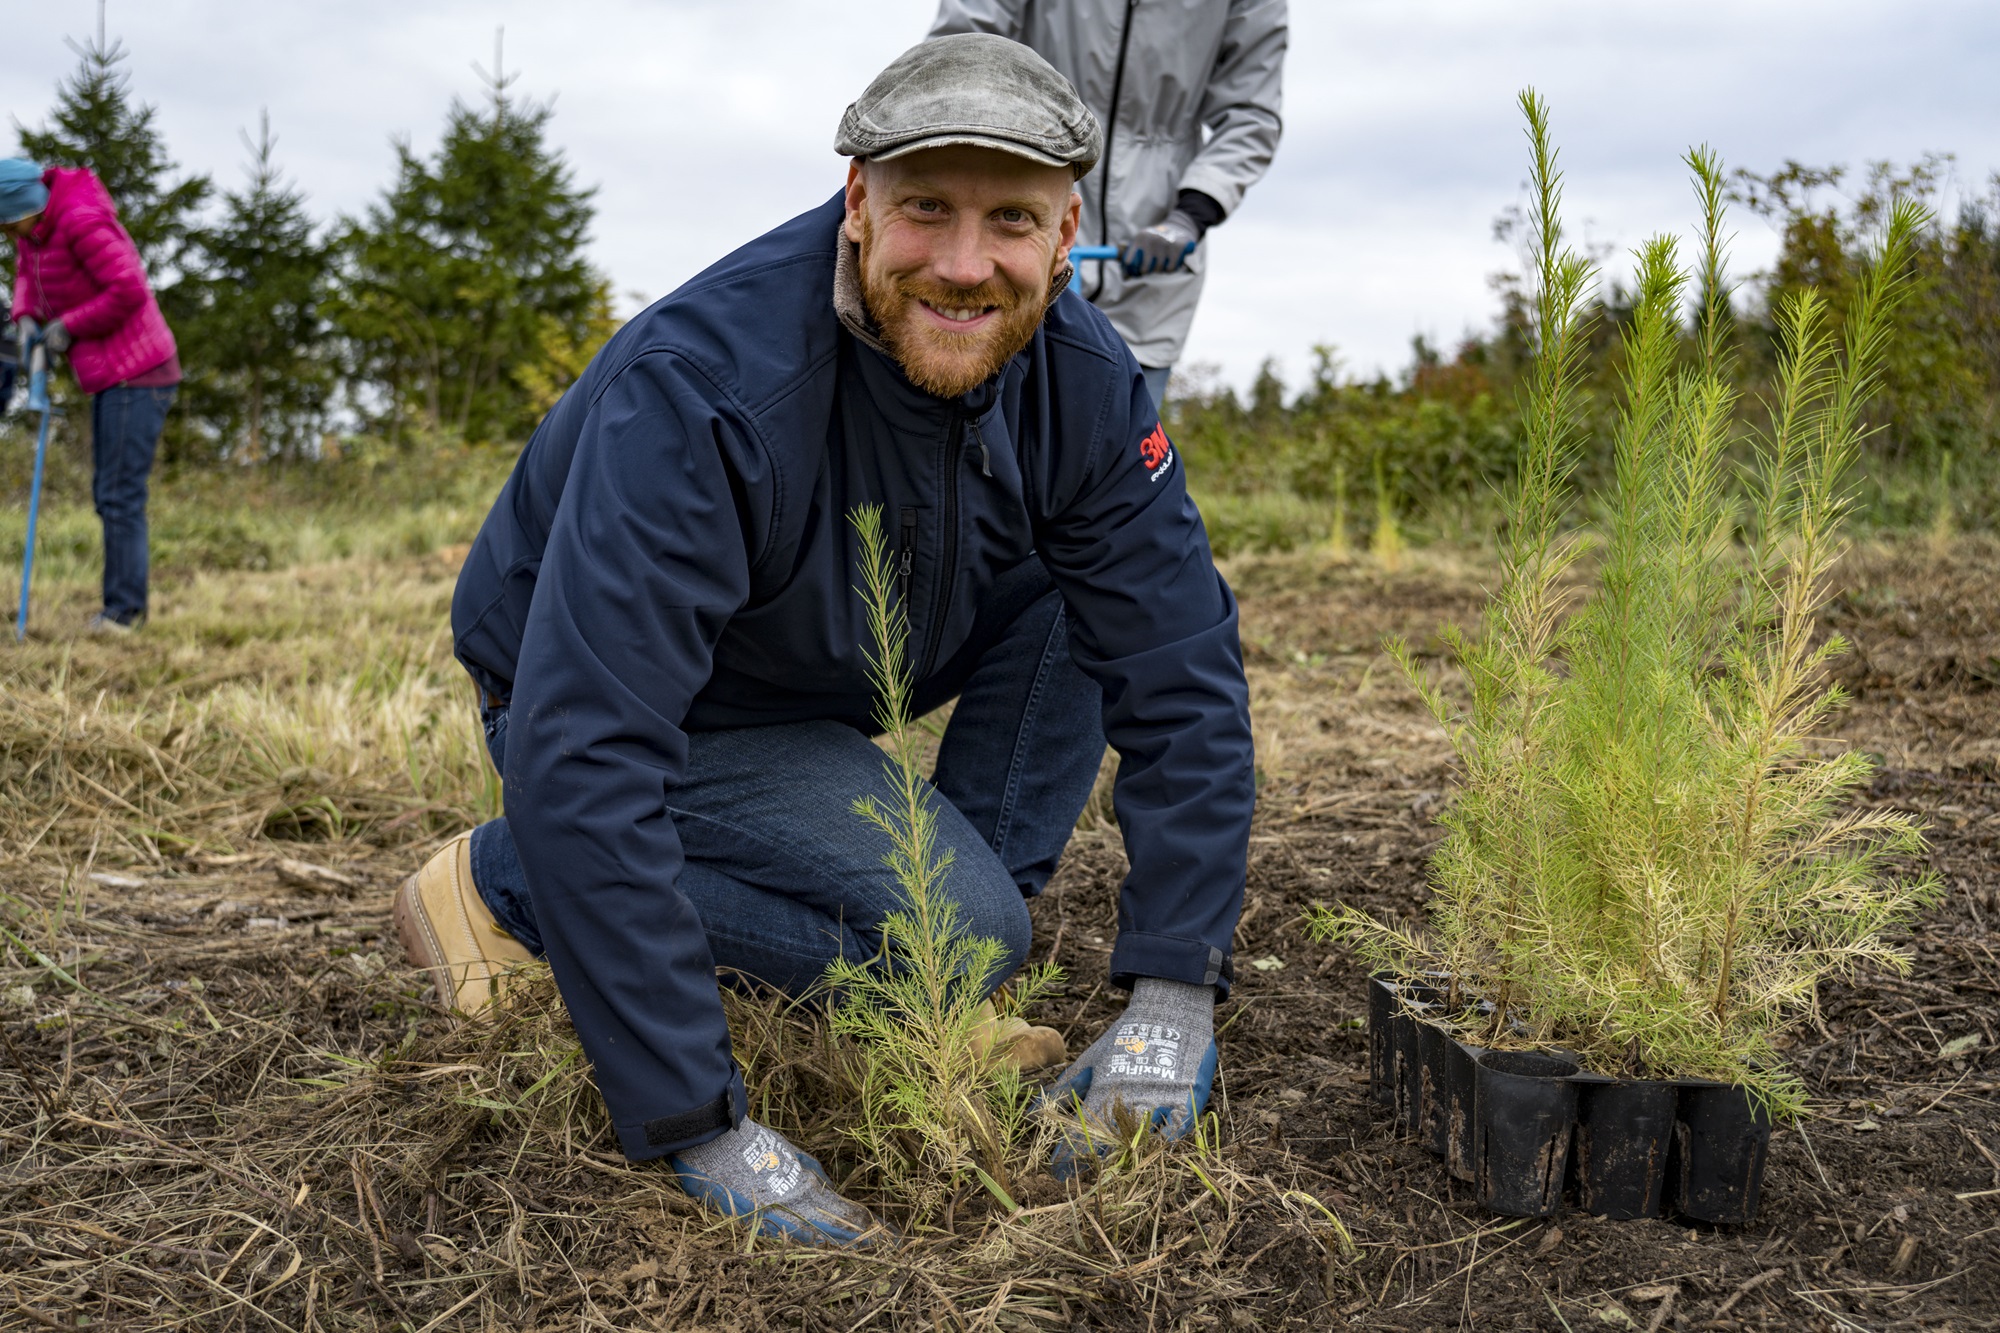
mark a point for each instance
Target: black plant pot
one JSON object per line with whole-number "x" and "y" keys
{"x": 1461, "y": 1081}
{"x": 1434, "y": 1045}
{"x": 1524, "y": 1109}
{"x": 1624, "y": 1131}
{"x": 1405, "y": 1067}
{"x": 1381, "y": 1062}
{"x": 1720, "y": 1141}
{"x": 1405, "y": 1054}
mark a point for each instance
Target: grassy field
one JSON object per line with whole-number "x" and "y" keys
{"x": 225, "y": 1101}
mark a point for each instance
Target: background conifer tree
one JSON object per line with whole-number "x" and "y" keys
{"x": 261, "y": 384}
{"x": 97, "y": 123}
{"x": 466, "y": 287}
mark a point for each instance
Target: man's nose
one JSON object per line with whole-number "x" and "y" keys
{"x": 962, "y": 260}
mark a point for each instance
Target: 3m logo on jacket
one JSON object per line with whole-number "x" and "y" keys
{"x": 1157, "y": 452}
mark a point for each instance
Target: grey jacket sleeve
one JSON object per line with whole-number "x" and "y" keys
{"x": 1241, "y": 105}
{"x": 1006, "y": 18}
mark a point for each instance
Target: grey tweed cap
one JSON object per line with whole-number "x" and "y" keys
{"x": 972, "y": 88}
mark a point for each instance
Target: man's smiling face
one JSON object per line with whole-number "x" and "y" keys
{"x": 958, "y": 247}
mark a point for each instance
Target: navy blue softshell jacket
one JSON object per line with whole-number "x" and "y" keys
{"x": 674, "y": 553}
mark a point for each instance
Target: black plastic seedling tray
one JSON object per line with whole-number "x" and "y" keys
{"x": 1532, "y": 1132}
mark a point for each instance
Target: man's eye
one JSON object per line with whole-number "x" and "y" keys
{"x": 1013, "y": 215}
{"x": 929, "y": 206}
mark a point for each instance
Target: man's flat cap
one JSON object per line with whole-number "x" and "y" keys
{"x": 972, "y": 88}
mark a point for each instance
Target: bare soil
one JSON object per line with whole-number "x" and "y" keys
{"x": 225, "y": 1104}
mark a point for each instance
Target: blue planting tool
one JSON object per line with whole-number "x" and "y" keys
{"x": 1078, "y": 254}
{"x": 38, "y": 401}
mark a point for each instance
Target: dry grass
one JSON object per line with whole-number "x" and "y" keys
{"x": 227, "y": 1153}
{"x": 225, "y": 1102}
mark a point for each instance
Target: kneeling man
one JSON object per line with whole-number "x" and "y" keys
{"x": 662, "y": 614}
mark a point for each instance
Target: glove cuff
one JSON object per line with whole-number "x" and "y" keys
{"x": 1182, "y": 1005}
{"x": 1149, "y": 991}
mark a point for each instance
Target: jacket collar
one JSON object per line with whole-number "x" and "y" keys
{"x": 853, "y": 311}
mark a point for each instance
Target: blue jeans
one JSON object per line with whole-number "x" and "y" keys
{"x": 786, "y": 877}
{"x": 125, "y": 426}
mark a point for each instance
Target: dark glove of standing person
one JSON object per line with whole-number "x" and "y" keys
{"x": 56, "y": 337}
{"x": 1157, "y": 1062}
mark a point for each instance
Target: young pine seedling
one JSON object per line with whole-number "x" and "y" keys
{"x": 935, "y": 1107}
{"x": 1649, "y": 860}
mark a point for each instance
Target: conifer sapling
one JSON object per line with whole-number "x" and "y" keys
{"x": 1650, "y": 861}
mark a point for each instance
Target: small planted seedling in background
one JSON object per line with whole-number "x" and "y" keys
{"x": 1650, "y": 866}
{"x": 935, "y": 1106}
{"x": 1386, "y": 544}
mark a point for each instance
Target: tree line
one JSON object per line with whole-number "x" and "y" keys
{"x": 1441, "y": 435}
{"x": 456, "y": 306}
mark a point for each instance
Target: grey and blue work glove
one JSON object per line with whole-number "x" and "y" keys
{"x": 55, "y": 337}
{"x": 1161, "y": 248}
{"x": 26, "y": 330}
{"x": 751, "y": 1172}
{"x": 1157, "y": 1062}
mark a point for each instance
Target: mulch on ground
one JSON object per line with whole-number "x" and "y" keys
{"x": 224, "y": 1103}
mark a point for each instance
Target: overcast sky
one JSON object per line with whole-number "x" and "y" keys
{"x": 704, "y": 122}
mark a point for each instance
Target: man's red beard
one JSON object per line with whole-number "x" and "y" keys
{"x": 937, "y": 360}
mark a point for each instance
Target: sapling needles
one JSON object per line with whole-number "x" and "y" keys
{"x": 936, "y": 1107}
{"x": 1650, "y": 860}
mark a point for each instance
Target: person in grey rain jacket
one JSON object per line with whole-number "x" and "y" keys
{"x": 1158, "y": 73}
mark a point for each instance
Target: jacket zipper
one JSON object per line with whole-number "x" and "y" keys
{"x": 1110, "y": 131}
{"x": 985, "y": 454}
{"x": 909, "y": 555}
{"x": 41, "y": 301}
{"x": 948, "y": 544}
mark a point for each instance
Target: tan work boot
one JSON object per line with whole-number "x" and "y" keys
{"x": 1015, "y": 1040}
{"x": 446, "y": 927}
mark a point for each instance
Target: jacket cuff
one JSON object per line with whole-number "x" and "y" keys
{"x": 1214, "y": 183}
{"x": 1171, "y": 958}
{"x": 645, "y": 1139}
{"x": 1200, "y": 209}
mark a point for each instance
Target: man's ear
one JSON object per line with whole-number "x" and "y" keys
{"x": 1072, "y": 220}
{"x": 857, "y": 199}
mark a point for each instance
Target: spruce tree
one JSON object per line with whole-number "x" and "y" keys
{"x": 261, "y": 385}
{"x": 466, "y": 286}
{"x": 96, "y": 123}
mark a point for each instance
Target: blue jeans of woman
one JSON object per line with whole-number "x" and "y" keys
{"x": 786, "y": 876}
{"x": 125, "y": 426}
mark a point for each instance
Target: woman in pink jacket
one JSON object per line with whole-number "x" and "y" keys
{"x": 80, "y": 285}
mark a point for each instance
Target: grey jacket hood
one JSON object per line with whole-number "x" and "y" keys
{"x": 1188, "y": 67}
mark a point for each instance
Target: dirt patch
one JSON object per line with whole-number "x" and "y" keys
{"x": 224, "y": 1103}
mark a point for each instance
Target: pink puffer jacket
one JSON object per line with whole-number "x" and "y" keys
{"x": 79, "y": 266}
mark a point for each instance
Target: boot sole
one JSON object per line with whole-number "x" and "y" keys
{"x": 420, "y": 941}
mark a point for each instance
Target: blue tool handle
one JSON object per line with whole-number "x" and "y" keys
{"x": 38, "y": 399}
{"x": 1079, "y": 254}
{"x": 38, "y": 375}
